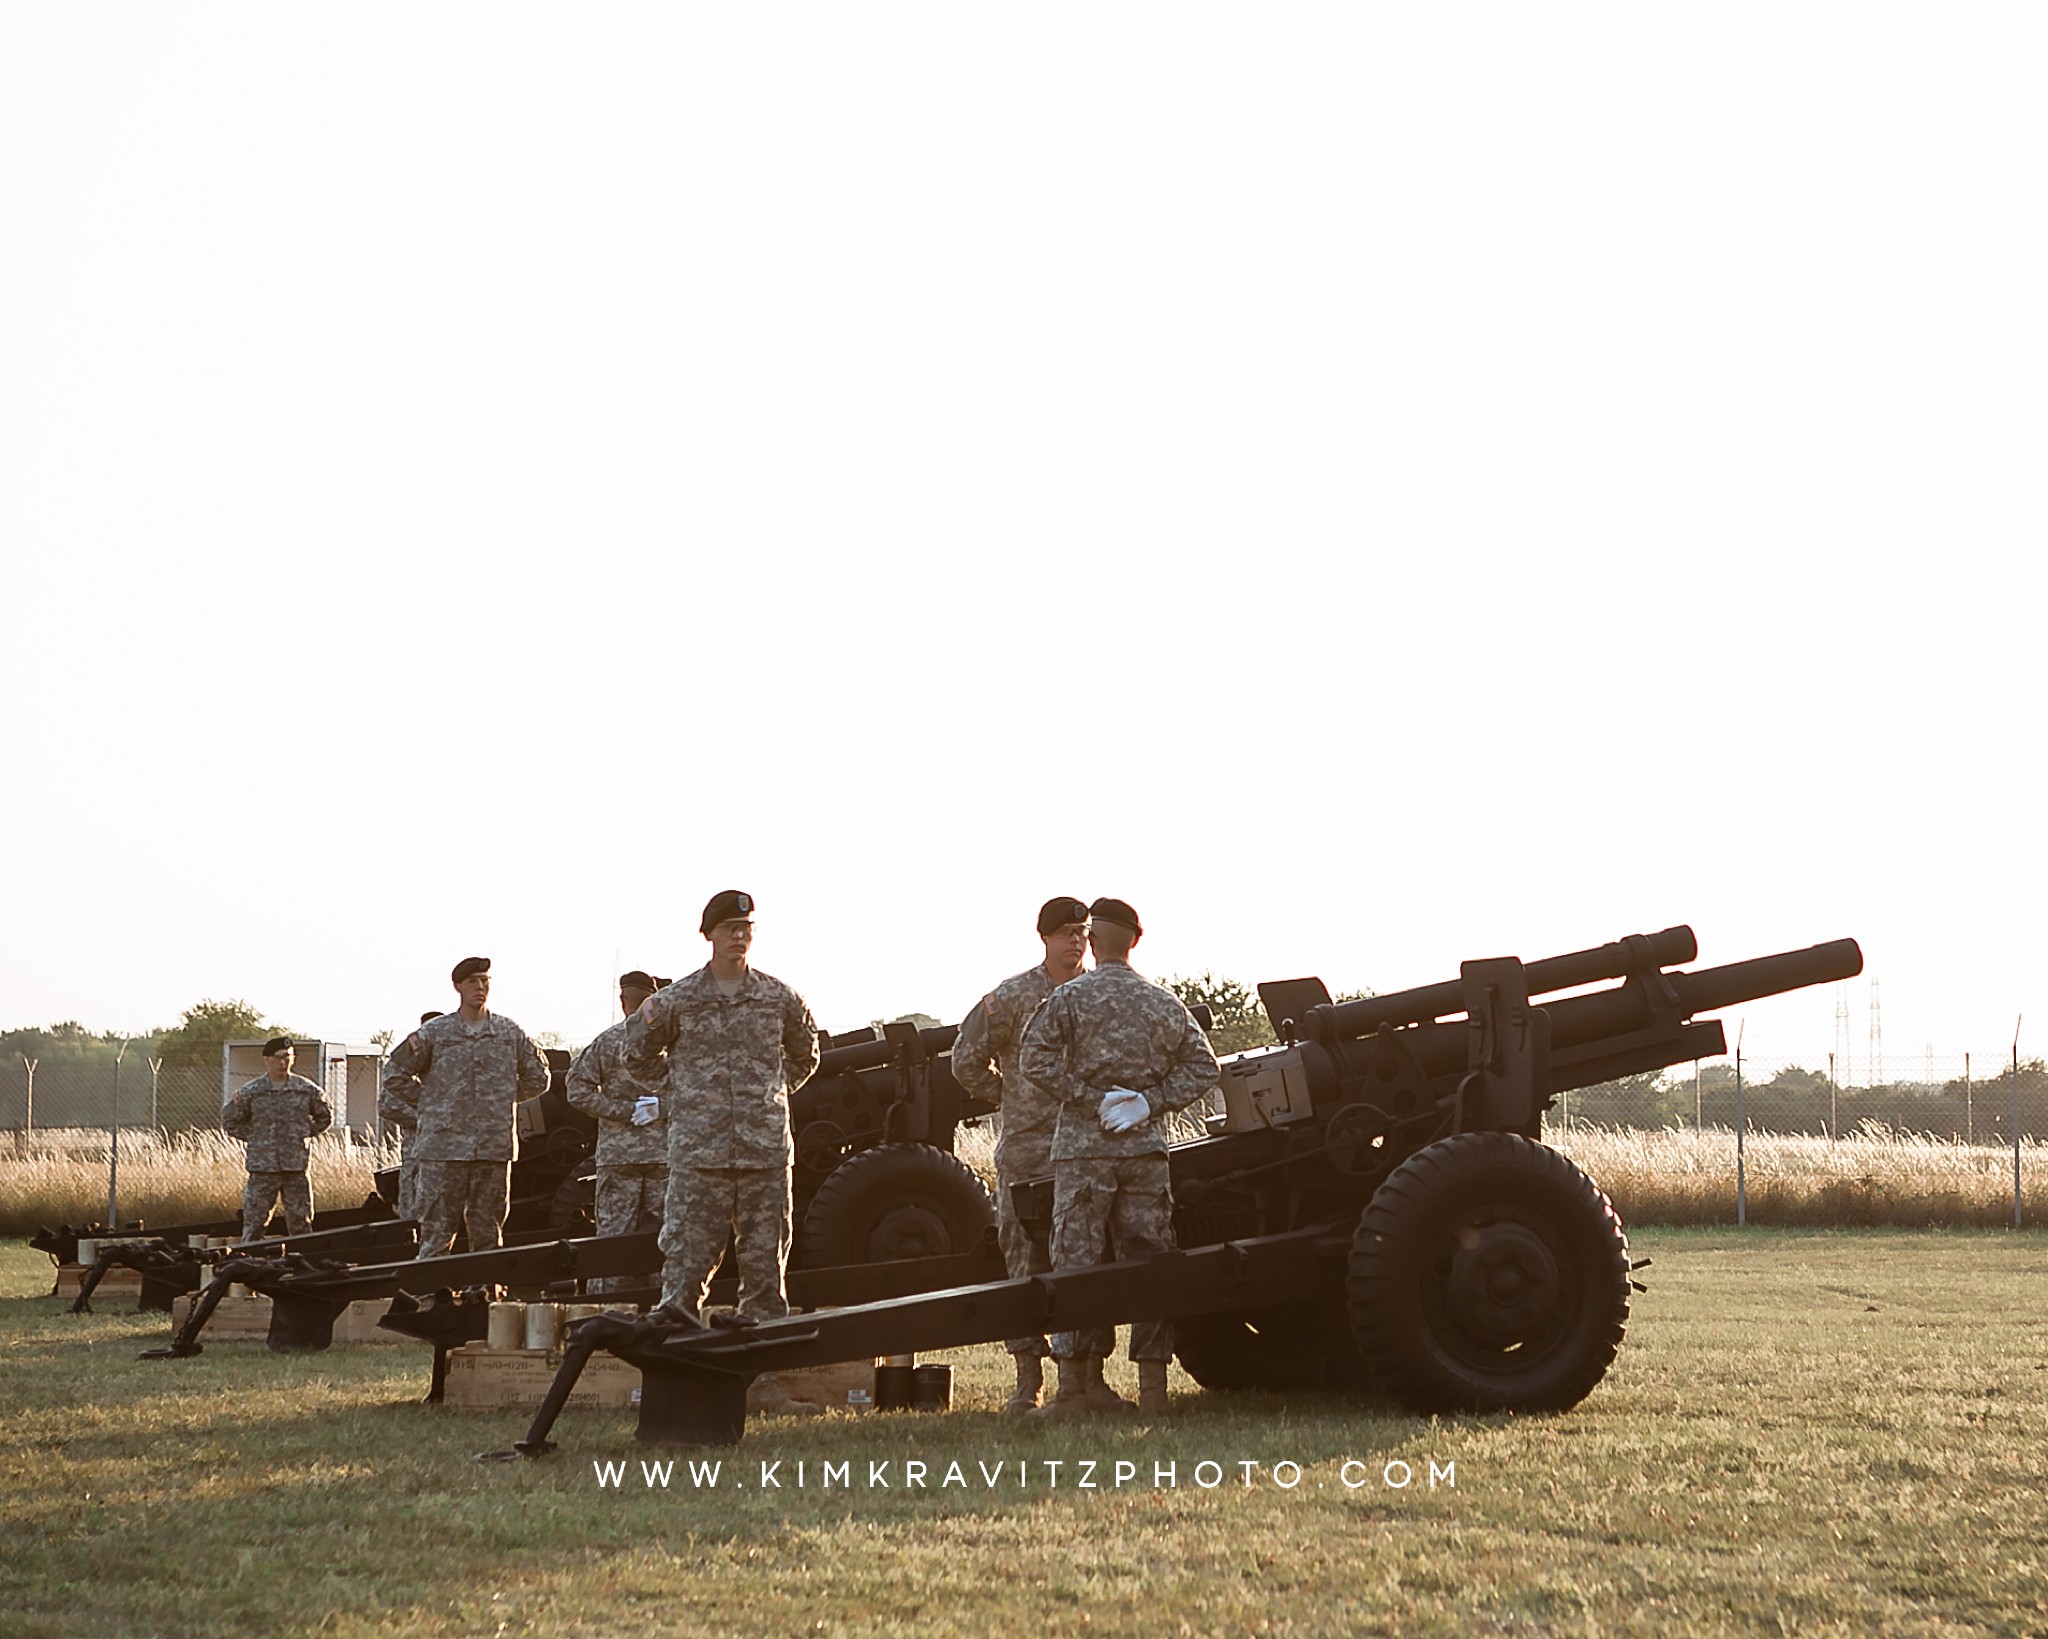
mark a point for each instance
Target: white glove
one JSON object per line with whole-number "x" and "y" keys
{"x": 1122, "y": 1109}
{"x": 646, "y": 1110}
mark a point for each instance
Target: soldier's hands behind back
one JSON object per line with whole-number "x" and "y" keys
{"x": 1123, "y": 1109}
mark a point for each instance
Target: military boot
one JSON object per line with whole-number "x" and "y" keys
{"x": 1072, "y": 1398}
{"x": 1152, "y": 1388}
{"x": 1101, "y": 1397}
{"x": 1030, "y": 1383}
{"x": 771, "y": 1399}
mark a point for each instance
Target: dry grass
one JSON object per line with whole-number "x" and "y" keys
{"x": 1877, "y": 1176}
{"x": 1669, "y": 1176}
{"x": 189, "y": 1177}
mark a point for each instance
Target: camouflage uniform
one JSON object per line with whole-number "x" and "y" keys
{"x": 398, "y": 1108}
{"x": 632, "y": 1162}
{"x": 733, "y": 1062}
{"x": 276, "y": 1121}
{"x": 985, "y": 1065}
{"x": 461, "y": 1081}
{"x": 1114, "y": 1028}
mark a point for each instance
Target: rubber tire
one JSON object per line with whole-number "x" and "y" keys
{"x": 574, "y": 1212}
{"x": 1289, "y": 1346}
{"x": 1427, "y": 1345}
{"x": 894, "y": 1201}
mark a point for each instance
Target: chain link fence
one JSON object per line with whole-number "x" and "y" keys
{"x": 1961, "y": 1099}
{"x": 170, "y": 1100}
{"x": 1935, "y": 1147}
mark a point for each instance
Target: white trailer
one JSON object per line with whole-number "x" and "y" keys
{"x": 348, "y": 1075}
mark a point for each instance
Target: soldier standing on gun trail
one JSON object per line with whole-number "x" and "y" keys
{"x": 276, "y": 1113}
{"x": 463, "y": 1072}
{"x": 739, "y": 1044}
{"x": 632, "y": 1137}
{"x": 399, "y": 1112}
{"x": 985, "y": 1065}
{"x": 1119, "y": 1053}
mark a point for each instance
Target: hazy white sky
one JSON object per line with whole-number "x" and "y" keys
{"x": 1371, "y": 486}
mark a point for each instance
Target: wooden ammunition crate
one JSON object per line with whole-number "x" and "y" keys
{"x": 117, "y": 1282}
{"x": 249, "y": 1318}
{"x": 481, "y": 1379}
{"x": 496, "y": 1379}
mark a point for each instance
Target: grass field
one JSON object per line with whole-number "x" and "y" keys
{"x": 1807, "y": 1431}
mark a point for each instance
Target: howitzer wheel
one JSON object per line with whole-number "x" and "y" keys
{"x": 1488, "y": 1274}
{"x": 1285, "y": 1346}
{"x": 895, "y": 1201}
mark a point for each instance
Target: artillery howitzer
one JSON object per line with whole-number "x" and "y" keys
{"x": 562, "y": 1138}
{"x": 876, "y": 1183}
{"x": 1371, "y": 1209}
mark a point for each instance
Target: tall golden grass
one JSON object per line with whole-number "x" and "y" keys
{"x": 1666, "y": 1176}
{"x": 1877, "y": 1175}
{"x": 60, "y": 1177}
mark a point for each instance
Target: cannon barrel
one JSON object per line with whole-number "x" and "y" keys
{"x": 1713, "y": 988}
{"x": 1347, "y": 1021}
{"x": 871, "y": 1055}
{"x": 1619, "y": 1013}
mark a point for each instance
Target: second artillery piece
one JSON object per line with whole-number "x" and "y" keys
{"x": 1372, "y": 1207}
{"x": 876, "y": 1184}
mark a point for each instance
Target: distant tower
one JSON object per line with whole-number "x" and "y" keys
{"x": 1843, "y": 1039}
{"x": 1876, "y": 1038}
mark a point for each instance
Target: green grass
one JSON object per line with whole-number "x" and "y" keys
{"x": 1806, "y": 1431}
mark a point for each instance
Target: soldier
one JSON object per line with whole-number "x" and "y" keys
{"x": 462, "y": 1073}
{"x": 632, "y": 1137}
{"x": 1118, "y": 1052}
{"x": 985, "y": 1064}
{"x": 739, "y": 1044}
{"x": 399, "y": 1113}
{"x": 276, "y": 1113}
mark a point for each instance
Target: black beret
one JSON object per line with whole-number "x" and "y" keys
{"x": 724, "y": 907}
{"x": 1057, "y": 913}
{"x": 1115, "y": 910}
{"x": 427, "y": 1017}
{"x": 469, "y": 967}
{"x": 277, "y": 1044}
{"x": 636, "y": 980}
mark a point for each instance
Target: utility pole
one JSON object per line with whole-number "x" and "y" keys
{"x": 28, "y": 1130}
{"x": 156, "y": 1068}
{"x": 2016, "y": 1120}
{"x": 1969, "y": 1116}
{"x": 1741, "y": 1195}
{"x": 114, "y": 1151}
{"x": 1834, "y": 1124}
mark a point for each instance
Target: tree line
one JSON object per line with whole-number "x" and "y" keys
{"x": 193, "y": 1043}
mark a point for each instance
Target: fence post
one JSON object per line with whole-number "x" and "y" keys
{"x": 2016, "y": 1120}
{"x": 1741, "y": 1193}
{"x": 114, "y": 1151}
{"x": 1834, "y": 1121}
{"x": 28, "y": 1130}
